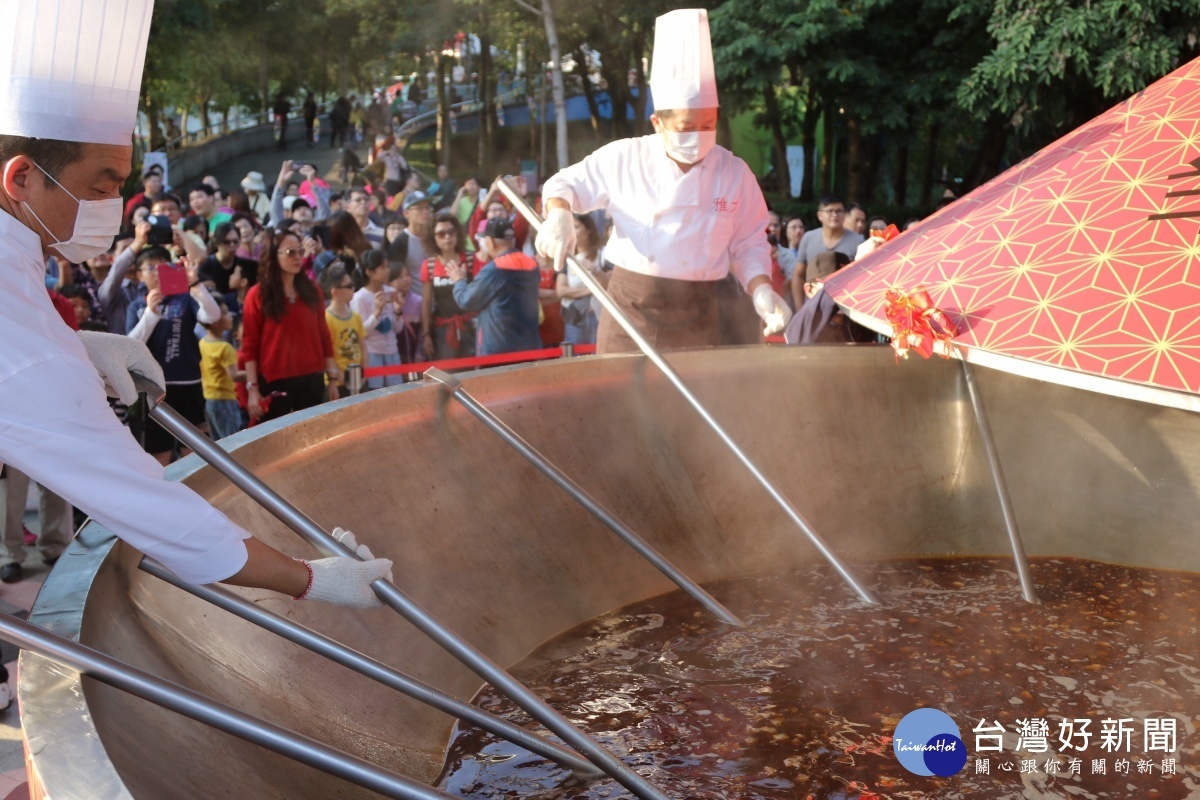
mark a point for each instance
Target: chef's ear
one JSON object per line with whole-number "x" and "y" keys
{"x": 15, "y": 178}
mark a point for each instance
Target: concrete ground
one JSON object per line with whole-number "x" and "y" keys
{"x": 17, "y": 599}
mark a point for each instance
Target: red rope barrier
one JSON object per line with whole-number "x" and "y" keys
{"x": 477, "y": 361}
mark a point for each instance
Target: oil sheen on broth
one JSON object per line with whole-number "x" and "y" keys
{"x": 803, "y": 701}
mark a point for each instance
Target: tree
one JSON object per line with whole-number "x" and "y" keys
{"x": 1056, "y": 64}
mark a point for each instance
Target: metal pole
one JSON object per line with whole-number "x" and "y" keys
{"x": 600, "y": 294}
{"x": 194, "y": 705}
{"x": 392, "y": 597}
{"x": 354, "y": 377}
{"x": 381, "y": 673}
{"x": 454, "y": 388}
{"x": 1028, "y": 590}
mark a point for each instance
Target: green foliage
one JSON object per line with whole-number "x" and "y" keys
{"x": 893, "y": 93}
{"x": 1066, "y": 60}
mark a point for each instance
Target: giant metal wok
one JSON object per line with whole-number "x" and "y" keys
{"x": 884, "y": 460}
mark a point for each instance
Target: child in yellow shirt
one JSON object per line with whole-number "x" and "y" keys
{"x": 345, "y": 324}
{"x": 218, "y": 371}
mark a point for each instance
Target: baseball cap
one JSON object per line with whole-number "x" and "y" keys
{"x": 501, "y": 228}
{"x": 413, "y": 198}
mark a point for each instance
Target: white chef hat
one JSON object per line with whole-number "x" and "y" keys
{"x": 72, "y": 69}
{"x": 682, "y": 74}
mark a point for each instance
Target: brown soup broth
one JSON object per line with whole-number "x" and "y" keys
{"x": 802, "y": 702}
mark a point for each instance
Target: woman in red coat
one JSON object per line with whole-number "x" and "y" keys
{"x": 286, "y": 345}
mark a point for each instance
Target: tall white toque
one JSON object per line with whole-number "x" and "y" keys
{"x": 72, "y": 69}
{"x": 681, "y": 73}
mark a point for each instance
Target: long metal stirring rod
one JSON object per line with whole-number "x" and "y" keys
{"x": 600, "y": 294}
{"x": 1010, "y": 518}
{"x": 420, "y": 618}
{"x": 453, "y": 387}
{"x": 364, "y": 665}
{"x": 194, "y": 705}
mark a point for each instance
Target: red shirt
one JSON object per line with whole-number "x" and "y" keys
{"x": 295, "y": 345}
{"x": 65, "y": 310}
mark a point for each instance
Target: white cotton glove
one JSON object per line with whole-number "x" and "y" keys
{"x": 347, "y": 581}
{"x": 772, "y": 308}
{"x": 556, "y": 238}
{"x": 115, "y": 357}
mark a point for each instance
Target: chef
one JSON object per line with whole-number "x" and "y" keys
{"x": 686, "y": 211}
{"x": 68, "y": 101}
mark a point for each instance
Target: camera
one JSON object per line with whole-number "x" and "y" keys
{"x": 160, "y": 230}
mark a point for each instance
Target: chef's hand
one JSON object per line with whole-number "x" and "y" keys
{"x": 556, "y": 239}
{"x": 115, "y": 356}
{"x": 347, "y": 581}
{"x": 771, "y": 307}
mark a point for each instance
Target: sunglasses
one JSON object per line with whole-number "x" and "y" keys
{"x": 450, "y": 232}
{"x": 292, "y": 252}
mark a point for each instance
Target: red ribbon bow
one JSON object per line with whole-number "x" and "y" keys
{"x": 917, "y": 323}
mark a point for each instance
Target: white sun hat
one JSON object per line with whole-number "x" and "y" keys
{"x": 682, "y": 73}
{"x": 72, "y": 69}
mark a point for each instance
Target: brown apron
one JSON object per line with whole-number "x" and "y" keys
{"x": 671, "y": 314}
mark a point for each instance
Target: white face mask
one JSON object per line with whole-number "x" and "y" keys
{"x": 96, "y": 223}
{"x": 689, "y": 147}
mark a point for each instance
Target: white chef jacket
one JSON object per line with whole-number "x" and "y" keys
{"x": 56, "y": 426}
{"x": 694, "y": 226}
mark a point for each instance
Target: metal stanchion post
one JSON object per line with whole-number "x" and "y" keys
{"x": 354, "y": 377}
{"x": 568, "y": 350}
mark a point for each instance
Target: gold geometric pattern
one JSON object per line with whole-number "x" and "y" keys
{"x": 1085, "y": 256}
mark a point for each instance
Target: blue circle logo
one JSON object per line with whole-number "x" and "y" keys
{"x": 927, "y": 742}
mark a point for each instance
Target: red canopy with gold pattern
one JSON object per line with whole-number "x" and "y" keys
{"x": 1079, "y": 265}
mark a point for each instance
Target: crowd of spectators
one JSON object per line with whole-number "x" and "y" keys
{"x": 259, "y": 301}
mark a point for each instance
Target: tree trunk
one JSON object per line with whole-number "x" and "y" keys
{"x": 155, "y": 139}
{"x": 543, "y": 166}
{"x": 900, "y": 176}
{"x": 264, "y": 87}
{"x": 485, "y": 117}
{"x": 532, "y": 104}
{"x": 812, "y": 113}
{"x": 560, "y": 94}
{"x": 618, "y": 95}
{"x": 828, "y": 143}
{"x": 854, "y": 159}
{"x": 643, "y": 94}
{"x": 873, "y": 147}
{"x": 931, "y": 157}
{"x": 988, "y": 155}
{"x": 782, "y": 171}
{"x": 589, "y": 90}
{"x": 203, "y": 102}
{"x": 442, "y": 146}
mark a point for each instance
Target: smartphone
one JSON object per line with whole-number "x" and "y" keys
{"x": 172, "y": 279}
{"x": 299, "y": 165}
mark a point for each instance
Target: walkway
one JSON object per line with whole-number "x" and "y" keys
{"x": 268, "y": 162}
